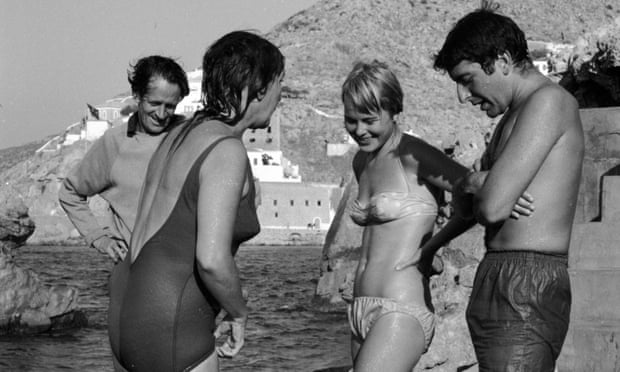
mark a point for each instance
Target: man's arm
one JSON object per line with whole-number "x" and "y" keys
{"x": 88, "y": 178}
{"x": 539, "y": 125}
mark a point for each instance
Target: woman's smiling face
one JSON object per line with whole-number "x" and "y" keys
{"x": 370, "y": 131}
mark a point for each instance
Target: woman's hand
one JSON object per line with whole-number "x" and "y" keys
{"x": 234, "y": 329}
{"x": 110, "y": 247}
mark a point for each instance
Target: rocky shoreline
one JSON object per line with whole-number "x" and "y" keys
{"x": 27, "y": 305}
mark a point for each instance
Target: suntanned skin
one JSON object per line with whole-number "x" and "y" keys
{"x": 218, "y": 200}
{"x": 396, "y": 341}
{"x": 537, "y": 146}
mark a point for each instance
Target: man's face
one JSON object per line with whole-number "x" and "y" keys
{"x": 474, "y": 85}
{"x": 156, "y": 107}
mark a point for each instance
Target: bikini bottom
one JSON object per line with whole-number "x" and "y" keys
{"x": 365, "y": 311}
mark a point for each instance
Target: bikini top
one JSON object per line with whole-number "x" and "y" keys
{"x": 391, "y": 205}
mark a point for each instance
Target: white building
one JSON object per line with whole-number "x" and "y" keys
{"x": 193, "y": 101}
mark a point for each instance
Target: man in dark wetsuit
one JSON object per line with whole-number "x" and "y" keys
{"x": 519, "y": 308}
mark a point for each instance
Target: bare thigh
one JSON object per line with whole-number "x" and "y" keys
{"x": 395, "y": 343}
{"x": 355, "y": 347}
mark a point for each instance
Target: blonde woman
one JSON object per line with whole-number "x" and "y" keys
{"x": 399, "y": 177}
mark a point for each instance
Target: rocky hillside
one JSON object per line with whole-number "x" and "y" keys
{"x": 13, "y": 155}
{"x": 320, "y": 45}
{"x": 322, "y": 42}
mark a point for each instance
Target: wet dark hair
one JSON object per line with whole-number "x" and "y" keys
{"x": 371, "y": 87}
{"x": 237, "y": 60}
{"x": 148, "y": 68}
{"x": 481, "y": 36}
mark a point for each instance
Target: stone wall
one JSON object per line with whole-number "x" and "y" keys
{"x": 593, "y": 340}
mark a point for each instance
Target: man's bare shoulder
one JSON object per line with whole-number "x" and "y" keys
{"x": 554, "y": 97}
{"x": 552, "y": 106}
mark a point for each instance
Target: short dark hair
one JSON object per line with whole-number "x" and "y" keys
{"x": 237, "y": 60}
{"x": 481, "y": 36}
{"x": 147, "y": 68}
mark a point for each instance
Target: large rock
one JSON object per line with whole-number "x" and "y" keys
{"x": 27, "y": 305}
{"x": 37, "y": 181}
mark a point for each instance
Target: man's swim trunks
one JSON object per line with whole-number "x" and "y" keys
{"x": 167, "y": 316}
{"x": 519, "y": 310}
{"x": 365, "y": 311}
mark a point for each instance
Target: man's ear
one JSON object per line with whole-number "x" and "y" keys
{"x": 261, "y": 94}
{"x": 504, "y": 63}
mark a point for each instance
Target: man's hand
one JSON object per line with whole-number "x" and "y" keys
{"x": 523, "y": 207}
{"x": 234, "y": 329}
{"x": 463, "y": 194}
{"x": 427, "y": 264}
{"x": 472, "y": 183}
{"x": 110, "y": 247}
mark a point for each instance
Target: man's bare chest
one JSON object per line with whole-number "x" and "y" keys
{"x": 499, "y": 139}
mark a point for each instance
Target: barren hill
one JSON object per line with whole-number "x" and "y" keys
{"x": 322, "y": 42}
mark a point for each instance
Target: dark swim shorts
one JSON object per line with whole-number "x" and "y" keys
{"x": 519, "y": 310}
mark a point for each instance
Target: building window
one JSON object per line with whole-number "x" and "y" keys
{"x": 275, "y": 202}
{"x": 269, "y": 140}
{"x": 307, "y": 203}
{"x": 102, "y": 115}
{"x": 292, "y": 203}
{"x": 276, "y": 214}
{"x": 255, "y": 161}
{"x": 318, "y": 202}
{"x": 252, "y": 140}
{"x": 269, "y": 129}
{"x": 116, "y": 114}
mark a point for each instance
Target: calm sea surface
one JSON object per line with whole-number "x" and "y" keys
{"x": 286, "y": 332}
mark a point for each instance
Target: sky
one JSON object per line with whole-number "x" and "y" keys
{"x": 58, "y": 55}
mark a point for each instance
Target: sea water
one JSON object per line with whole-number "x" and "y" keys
{"x": 285, "y": 332}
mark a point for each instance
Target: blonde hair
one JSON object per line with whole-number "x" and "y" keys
{"x": 371, "y": 87}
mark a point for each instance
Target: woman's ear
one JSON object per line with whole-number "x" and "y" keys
{"x": 244, "y": 99}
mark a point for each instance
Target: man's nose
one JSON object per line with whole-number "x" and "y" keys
{"x": 463, "y": 93}
{"x": 161, "y": 112}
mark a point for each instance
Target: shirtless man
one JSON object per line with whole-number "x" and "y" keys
{"x": 519, "y": 308}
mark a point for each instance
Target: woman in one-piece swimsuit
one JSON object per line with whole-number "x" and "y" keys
{"x": 399, "y": 177}
{"x": 197, "y": 206}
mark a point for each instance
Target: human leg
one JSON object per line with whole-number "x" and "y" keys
{"x": 355, "y": 317}
{"x": 356, "y": 344}
{"x": 395, "y": 343}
